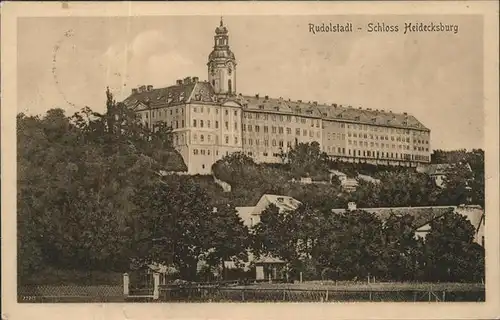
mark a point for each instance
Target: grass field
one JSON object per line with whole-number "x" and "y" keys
{"x": 363, "y": 286}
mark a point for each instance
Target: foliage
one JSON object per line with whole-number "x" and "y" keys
{"x": 89, "y": 189}
{"x": 451, "y": 254}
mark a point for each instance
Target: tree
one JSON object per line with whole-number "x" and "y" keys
{"x": 402, "y": 250}
{"x": 352, "y": 245}
{"x": 306, "y": 159}
{"x": 178, "y": 211}
{"x": 451, "y": 253}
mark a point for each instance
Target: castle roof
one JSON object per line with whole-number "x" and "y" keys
{"x": 190, "y": 90}
{"x": 185, "y": 91}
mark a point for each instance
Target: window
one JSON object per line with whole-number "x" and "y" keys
{"x": 202, "y": 151}
{"x": 235, "y": 113}
{"x": 236, "y": 126}
{"x": 297, "y": 132}
{"x": 280, "y": 130}
{"x": 274, "y": 129}
{"x": 304, "y": 132}
{"x": 288, "y": 131}
{"x": 195, "y": 151}
{"x": 216, "y": 124}
{"x": 266, "y": 143}
{"x": 202, "y": 138}
{"x": 182, "y": 124}
{"x": 250, "y": 141}
{"x": 195, "y": 109}
{"x": 257, "y": 129}
{"x": 176, "y": 124}
{"x": 208, "y": 123}
{"x": 249, "y": 127}
{"x": 227, "y": 112}
{"x": 266, "y": 129}
{"x": 227, "y": 125}
{"x": 209, "y": 137}
{"x": 229, "y": 86}
{"x": 257, "y": 141}
{"x": 208, "y": 152}
{"x": 201, "y": 123}
{"x": 227, "y": 140}
{"x": 194, "y": 123}
{"x": 274, "y": 143}
{"x": 281, "y": 143}
{"x": 235, "y": 140}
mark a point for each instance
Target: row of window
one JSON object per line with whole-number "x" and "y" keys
{"x": 160, "y": 113}
{"x": 207, "y": 109}
{"x": 202, "y": 123}
{"x": 279, "y": 130}
{"x": 209, "y": 138}
{"x": 384, "y": 145}
{"x": 377, "y": 154}
{"x": 274, "y": 142}
{"x": 281, "y": 118}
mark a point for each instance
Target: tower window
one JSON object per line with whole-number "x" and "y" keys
{"x": 213, "y": 82}
{"x": 229, "y": 86}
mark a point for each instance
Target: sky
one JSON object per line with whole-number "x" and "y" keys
{"x": 67, "y": 62}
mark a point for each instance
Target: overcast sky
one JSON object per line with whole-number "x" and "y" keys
{"x": 68, "y": 62}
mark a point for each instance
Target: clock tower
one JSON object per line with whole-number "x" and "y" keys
{"x": 222, "y": 64}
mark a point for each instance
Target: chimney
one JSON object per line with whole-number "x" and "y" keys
{"x": 149, "y": 87}
{"x": 196, "y": 79}
{"x": 351, "y": 206}
{"x": 405, "y": 113}
{"x": 299, "y": 101}
{"x": 187, "y": 80}
{"x": 257, "y": 96}
{"x": 315, "y": 103}
{"x": 134, "y": 91}
{"x": 179, "y": 81}
{"x": 267, "y": 97}
{"x": 142, "y": 88}
{"x": 350, "y": 107}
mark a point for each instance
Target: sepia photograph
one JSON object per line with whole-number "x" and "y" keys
{"x": 246, "y": 158}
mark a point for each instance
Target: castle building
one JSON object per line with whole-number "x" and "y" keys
{"x": 211, "y": 119}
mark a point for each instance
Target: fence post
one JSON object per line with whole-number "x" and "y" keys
{"x": 301, "y": 277}
{"x": 242, "y": 294}
{"x": 326, "y": 298}
{"x": 126, "y": 282}
{"x": 156, "y": 288}
{"x": 444, "y": 296}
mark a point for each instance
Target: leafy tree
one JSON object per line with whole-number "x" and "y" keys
{"x": 451, "y": 253}
{"x": 352, "y": 245}
{"x": 306, "y": 159}
{"x": 402, "y": 250}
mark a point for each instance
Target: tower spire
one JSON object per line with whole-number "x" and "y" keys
{"x": 221, "y": 22}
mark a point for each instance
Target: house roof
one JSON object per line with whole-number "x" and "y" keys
{"x": 422, "y": 215}
{"x": 246, "y": 214}
{"x": 368, "y": 178}
{"x": 437, "y": 168}
{"x": 284, "y": 203}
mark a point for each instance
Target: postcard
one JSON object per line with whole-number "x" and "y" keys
{"x": 237, "y": 160}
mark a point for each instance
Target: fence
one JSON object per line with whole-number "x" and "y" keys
{"x": 234, "y": 291}
{"x": 70, "y": 293}
{"x": 248, "y": 294}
